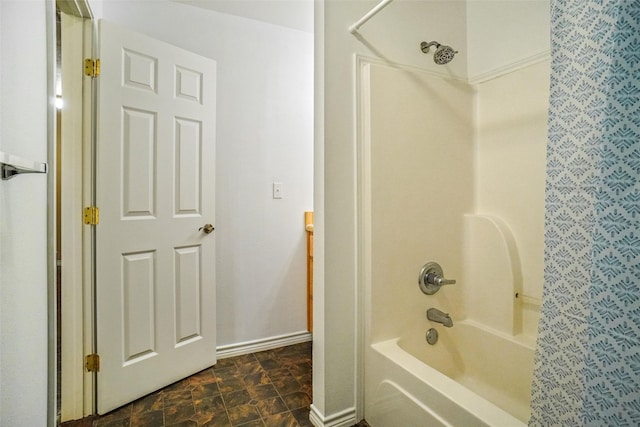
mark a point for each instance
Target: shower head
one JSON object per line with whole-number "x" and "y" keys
{"x": 443, "y": 55}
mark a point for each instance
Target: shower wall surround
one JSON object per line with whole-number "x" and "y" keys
{"x": 587, "y": 369}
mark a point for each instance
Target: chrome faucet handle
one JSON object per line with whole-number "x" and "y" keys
{"x": 431, "y": 278}
{"x": 435, "y": 279}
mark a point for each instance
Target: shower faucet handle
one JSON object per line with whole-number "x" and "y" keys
{"x": 435, "y": 279}
{"x": 431, "y": 278}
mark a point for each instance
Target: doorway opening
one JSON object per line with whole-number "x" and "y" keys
{"x": 247, "y": 300}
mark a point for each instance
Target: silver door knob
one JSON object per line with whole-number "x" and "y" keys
{"x": 207, "y": 228}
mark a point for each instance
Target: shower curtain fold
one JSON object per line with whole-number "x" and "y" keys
{"x": 587, "y": 369}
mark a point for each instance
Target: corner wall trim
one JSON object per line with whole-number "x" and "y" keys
{"x": 340, "y": 419}
{"x": 239, "y": 349}
{"x": 509, "y": 68}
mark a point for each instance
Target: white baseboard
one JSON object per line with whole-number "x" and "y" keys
{"x": 231, "y": 350}
{"x": 344, "y": 418}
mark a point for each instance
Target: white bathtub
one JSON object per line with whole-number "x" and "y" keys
{"x": 472, "y": 376}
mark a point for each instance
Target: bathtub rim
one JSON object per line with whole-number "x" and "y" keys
{"x": 523, "y": 340}
{"x": 462, "y": 397}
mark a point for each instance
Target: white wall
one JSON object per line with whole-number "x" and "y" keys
{"x": 422, "y": 153}
{"x": 394, "y": 35}
{"x": 501, "y": 32}
{"x": 264, "y": 134}
{"x": 428, "y": 174}
{"x": 511, "y": 167}
{"x": 23, "y": 216}
{"x": 296, "y": 14}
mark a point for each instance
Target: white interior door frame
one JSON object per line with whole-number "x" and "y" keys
{"x": 77, "y": 386}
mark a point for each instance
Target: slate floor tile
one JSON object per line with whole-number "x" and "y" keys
{"x": 270, "y": 388}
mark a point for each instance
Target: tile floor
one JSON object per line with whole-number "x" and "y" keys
{"x": 269, "y": 388}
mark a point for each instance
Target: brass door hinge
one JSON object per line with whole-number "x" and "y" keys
{"x": 92, "y": 362}
{"x": 91, "y": 67}
{"x": 91, "y": 215}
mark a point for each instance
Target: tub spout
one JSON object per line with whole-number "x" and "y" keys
{"x": 438, "y": 316}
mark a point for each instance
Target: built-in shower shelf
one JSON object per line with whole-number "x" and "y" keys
{"x": 529, "y": 300}
{"x": 493, "y": 271}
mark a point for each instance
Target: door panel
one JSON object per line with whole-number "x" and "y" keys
{"x": 187, "y": 291}
{"x": 155, "y": 277}
{"x": 138, "y": 284}
{"x": 138, "y": 162}
{"x": 188, "y": 158}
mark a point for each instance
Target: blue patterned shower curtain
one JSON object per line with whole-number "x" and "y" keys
{"x": 587, "y": 369}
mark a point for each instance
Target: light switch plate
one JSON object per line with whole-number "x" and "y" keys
{"x": 277, "y": 190}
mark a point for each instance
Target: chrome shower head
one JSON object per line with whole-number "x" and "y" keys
{"x": 443, "y": 55}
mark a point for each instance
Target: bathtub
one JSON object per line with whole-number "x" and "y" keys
{"x": 473, "y": 376}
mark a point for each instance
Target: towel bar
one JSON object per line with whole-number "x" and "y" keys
{"x": 11, "y": 165}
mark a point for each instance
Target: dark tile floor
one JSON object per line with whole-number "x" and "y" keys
{"x": 269, "y": 388}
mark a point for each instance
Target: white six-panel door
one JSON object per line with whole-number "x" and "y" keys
{"x": 155, "y": 267}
